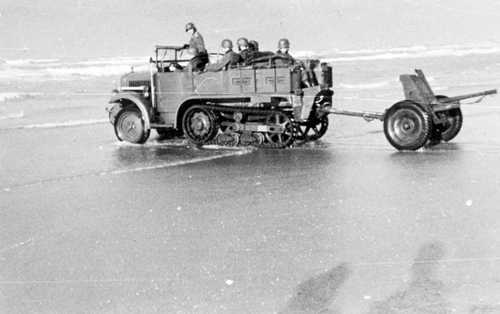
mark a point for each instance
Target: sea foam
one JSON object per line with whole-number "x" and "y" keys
{"x": 58, "y": 69}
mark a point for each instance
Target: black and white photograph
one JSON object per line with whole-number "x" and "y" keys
{"x": 230, "y": 156}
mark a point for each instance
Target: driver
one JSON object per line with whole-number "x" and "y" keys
{"x": 196, "y": 47}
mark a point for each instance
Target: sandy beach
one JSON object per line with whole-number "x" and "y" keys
{"x": 342, "y": 225}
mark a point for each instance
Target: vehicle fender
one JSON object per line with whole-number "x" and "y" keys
{"x": 122, "y": 100}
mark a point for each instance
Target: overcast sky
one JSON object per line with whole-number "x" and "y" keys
{"x": 92, "y": 28}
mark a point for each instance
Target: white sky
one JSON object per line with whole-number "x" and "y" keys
{"x": 90, "y": 28}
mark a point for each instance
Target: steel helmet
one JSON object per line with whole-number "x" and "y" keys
{"x": 242, "y": 42}
{"x": 227, "y": 43}
{"x": 253, "y": 45}
{"x": 284, "y": 43}
{"x": 190, "y": 26}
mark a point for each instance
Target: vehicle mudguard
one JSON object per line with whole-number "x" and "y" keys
{"x": 121, "y": 100}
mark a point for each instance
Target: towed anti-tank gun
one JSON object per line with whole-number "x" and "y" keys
{"x": 422, "y": 117}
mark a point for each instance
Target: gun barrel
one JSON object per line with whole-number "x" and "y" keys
{"x": 467, "y": 96}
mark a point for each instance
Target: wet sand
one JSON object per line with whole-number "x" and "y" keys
{"x": 344, "y": 225}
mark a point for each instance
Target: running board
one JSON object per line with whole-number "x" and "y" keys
{"x": 161, "y": 126}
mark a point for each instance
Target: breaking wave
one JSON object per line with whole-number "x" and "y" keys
{"x": 415, "y": 52}
{"x": 14, "y": 115}
{"x": 16, "y": 96}
{"x": 58, "y": 69}
{"x": 55, "y": 69}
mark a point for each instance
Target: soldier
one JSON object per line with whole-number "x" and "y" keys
{"x": 254, "y": 55}
{"x": 230, "y": 58}
{"x": 253, "y": 45}
{"x": 197, "y": 47}
{"x": 283, "y": 48}
{"x": 307, "y": 74}
{"x": 243, "y": 49}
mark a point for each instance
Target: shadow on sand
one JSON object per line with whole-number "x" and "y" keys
{"x": 315, "y": 294}
{"x": 424, "y": 293}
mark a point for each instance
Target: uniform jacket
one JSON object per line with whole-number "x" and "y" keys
{"x": 229, "y": 59}
{"x": 245, "y": 56}
{"x": 287, "y": 59}
{"x": 197, "y": 43}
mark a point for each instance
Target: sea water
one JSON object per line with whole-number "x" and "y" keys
{"x": 63, "y": 92}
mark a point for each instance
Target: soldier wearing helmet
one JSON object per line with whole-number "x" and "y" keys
{"x": 253, "y": 45}
{"x": 285, "y": 57}
{"x": 197, "y": 47}
{"x": 243, "y": 49}
{"x": 255, "y": 56}
{"x": 229, "y": 59}
{"x": 283, "y": 47}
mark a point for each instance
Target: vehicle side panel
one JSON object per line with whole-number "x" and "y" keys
{"x": 171, "y": 89}
{"x": 175, "y": 88}
{"x": 211, "y": 83}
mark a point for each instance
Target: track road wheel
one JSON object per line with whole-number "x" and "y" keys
{"x": 129, "y": 126}
{"x": 312, "y": 130}
{"x": 407, "y": 126}
{"x": 199, "y": 125}
{"x": 286, "y": 136}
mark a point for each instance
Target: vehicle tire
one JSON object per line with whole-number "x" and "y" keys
{"x": 129, "y": 126}
{"x": 312, "y": 130}
{"x": 453, "y": 125}
{"x": 407, "y": 126}
{"x": 199, "y": 125}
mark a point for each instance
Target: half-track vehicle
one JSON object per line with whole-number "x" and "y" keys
{"x": 264, "y": 104}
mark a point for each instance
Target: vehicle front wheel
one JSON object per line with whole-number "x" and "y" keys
{"x": 129, "y": 126}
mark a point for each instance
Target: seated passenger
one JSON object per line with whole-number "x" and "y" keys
{"x": 256, "y": 57}
{"x": 308, "y": 77}
{"x": 243, "y": 49}
{"x": 230, "y": 58}
{"x": 253, "y": 45}
{"x": 283, "y": 48}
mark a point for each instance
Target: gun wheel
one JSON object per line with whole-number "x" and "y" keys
{"x": 199, "y": 125}
{"x": 312, "y": 130}
{"x": 282, "y": 138}
{"x": 129, "y": 126}
{"x": 454, "y": 125}
{"x": 407, "y": 126}
{"x": 450, "y": 129}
